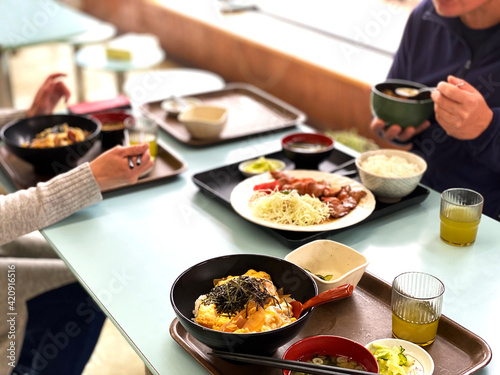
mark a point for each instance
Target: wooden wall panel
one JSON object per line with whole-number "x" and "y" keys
{"x": 330, "y": 100}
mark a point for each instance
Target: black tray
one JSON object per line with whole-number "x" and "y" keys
{"x": 220, "y": 182}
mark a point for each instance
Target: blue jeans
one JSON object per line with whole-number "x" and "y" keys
{"x": 62, "y": 331}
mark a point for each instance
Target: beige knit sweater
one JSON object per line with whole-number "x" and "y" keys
{"x": 49, "y": 202}
{"x": 37, "y": 267}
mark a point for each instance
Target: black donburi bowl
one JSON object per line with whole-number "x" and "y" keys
{"x": 198, "y": 280}
{"x": 49, "y": 161}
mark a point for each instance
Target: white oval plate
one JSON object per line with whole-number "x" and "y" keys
{"x": 424, "y": 365}
{"x": 241, "y": 194}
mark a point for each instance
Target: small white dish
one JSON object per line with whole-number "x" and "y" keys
{"x": 424, "y": 364}
{"x": 173, "y": 108}
{"x": 204, "y": 121}
{"x": 271, "y": 164}
{"x": 325, "y": 257}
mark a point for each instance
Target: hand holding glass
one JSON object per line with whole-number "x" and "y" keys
{"x": 143, "y": 130}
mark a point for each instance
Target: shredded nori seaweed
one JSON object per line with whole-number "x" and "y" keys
{"x": 234, "y": 295}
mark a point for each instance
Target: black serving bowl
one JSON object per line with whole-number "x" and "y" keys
{"x": 307, "y": 150}
{"x": 49, "y": 161}
{"x": 401, "y": 111}
{"x": 198, "y": 280}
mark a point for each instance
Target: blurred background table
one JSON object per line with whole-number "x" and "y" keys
{"x": 31, "y": 22}
{"x": 94, "y": 57}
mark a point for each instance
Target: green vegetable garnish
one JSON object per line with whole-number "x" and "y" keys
{"x": 233, "y": 296}
{"x": 352, "y": 139}
{"x": 392, "y": 361}
{"x": 323, "y": 277}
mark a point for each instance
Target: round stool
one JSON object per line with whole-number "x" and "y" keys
{"x": 94, "y": 57}
{"x": 99, "y": 32}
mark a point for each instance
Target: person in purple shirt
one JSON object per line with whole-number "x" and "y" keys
{"x": 447, "y": 42}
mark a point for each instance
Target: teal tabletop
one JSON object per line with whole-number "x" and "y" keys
{"x": 129, "y": 248}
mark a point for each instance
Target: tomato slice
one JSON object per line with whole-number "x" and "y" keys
{"x": 272, "y": 185}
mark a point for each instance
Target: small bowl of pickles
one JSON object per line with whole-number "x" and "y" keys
{"x": 331, "y": 263}
{"x": 260, "y": 165}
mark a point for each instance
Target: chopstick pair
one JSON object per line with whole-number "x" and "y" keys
{"x": 306, "y": 367}
{"x": 130, "y": 160}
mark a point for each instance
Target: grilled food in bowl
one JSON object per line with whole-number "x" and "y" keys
{"x": 390, "y": 174}
{"x": 199, "y": 280}
{"x": 50, "y": 161}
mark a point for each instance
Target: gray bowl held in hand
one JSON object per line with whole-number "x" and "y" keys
{"x": 393, "y": 109}
{"x": 390, "y": 174}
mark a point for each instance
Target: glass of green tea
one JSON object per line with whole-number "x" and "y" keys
{"x": 460, "y": 215}
{"x": 416, "y": 303}
{"x": 142, "y": 129}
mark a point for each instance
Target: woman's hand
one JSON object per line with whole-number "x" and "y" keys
{"x": 395, "y": 132}
{"x": 48, "y": 95}
{"x": 111, "y": 169}
{"x": 461, "y": 111}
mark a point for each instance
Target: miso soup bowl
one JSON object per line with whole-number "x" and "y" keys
{"x": 113, "y": 127}
{"x": 404, "y": 112}
{"x": 307, "y": 150}
{"x": 335, "y": 346}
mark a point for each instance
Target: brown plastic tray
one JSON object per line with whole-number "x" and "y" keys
{"x": 24, "y": 176}
{"x": 250, "y": 111}
{"x": 364, "y": 317}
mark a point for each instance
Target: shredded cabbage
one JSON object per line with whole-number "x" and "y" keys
{"x": 289, "y": 208}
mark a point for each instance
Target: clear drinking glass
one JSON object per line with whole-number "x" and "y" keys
{"x": 460, "y": 215}
{"x": 142, "y": 129}
{"x": 417, "y": 301}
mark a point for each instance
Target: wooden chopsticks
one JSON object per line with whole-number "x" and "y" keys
{"x": 306, "y": 367}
